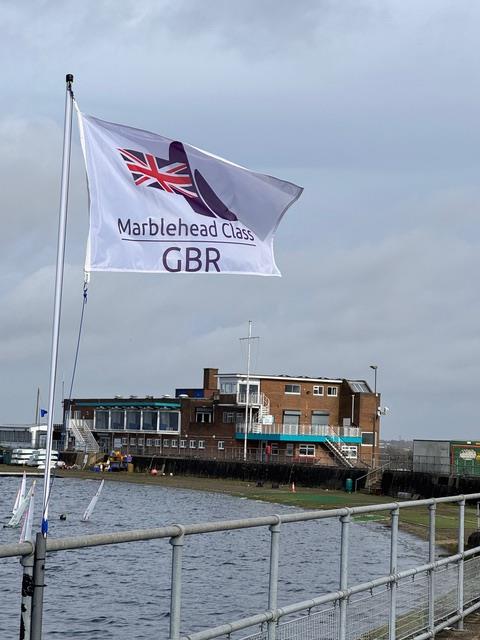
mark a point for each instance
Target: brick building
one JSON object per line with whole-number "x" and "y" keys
{"x": 294, "y": 419}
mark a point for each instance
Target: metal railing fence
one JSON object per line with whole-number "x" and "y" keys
{"x": 229, "y": 454}
{"x": 413, "y": 604}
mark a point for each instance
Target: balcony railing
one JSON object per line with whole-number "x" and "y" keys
{"x": 334, "y": 433}
{"x": 254, "y": 398}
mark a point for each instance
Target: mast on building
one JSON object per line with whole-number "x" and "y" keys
{"x": 249, "y": 339}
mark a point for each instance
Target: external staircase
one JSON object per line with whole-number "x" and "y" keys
{"x": 84, "y": 438}
{"x": 264, "y": 408}
{"x": 332, "y": 445}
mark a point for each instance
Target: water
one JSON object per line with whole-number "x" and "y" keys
{"x": 123, "y": 590}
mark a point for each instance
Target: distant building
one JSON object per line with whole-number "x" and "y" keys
{"x": 447, "y": 457}
{"x": 326, "y": 421}
{"x": 27, "y": 436}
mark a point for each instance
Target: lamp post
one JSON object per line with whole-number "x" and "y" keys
{"x": 375, "y": 417}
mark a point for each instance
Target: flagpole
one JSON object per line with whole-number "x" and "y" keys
{"x": 62, "y": 225}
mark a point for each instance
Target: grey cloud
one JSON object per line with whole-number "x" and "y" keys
{"x": 372, "y": 107}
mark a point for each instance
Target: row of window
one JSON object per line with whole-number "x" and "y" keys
{"x": 304, "y": 450}
{"x": 318, "y": 390}
{"x": 290, "y": 417}
{"x": 173, "y": 443}
{"x": 309, "y": 450}
{"x": 134, "y": 420}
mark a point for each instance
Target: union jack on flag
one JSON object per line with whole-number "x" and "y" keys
{"x": 172, "y": 177}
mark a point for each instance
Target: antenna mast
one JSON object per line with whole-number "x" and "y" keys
{"x": 249, "y": 339}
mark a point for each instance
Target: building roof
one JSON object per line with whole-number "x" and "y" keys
{"x": 107, "y": 403}
{"x": 280, "y": 377}
{"x": 359, "y": 386}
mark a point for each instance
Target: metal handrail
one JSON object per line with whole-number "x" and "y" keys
{"x": 366, "y": 475}
{"x": 306, "y": 429}
{"x": 273, "y": 614}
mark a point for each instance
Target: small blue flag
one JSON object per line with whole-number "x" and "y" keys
{"x": 43, "y": 413}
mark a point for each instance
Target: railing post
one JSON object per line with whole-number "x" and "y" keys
{"x": 461, "y": 548}
{"x": 273, "y": 577}
{"x": 393, "y": 570}
{"x": 177, "y": 543}
{"x": 345, "y": 522}
{"x": 432, "y": 509}
{"x": 27, "y": 592}
{"x": 38, "y": 587}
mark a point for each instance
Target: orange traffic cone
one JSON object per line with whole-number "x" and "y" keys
{"x": 293, "y": 487}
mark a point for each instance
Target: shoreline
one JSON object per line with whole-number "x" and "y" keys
{"x": 413, "y": 521}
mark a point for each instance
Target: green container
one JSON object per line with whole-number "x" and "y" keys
{"x": 348, "y": 485}
{"x": 465, "y": 457}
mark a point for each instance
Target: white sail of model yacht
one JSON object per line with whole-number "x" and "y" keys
{"x": 22, "y": 507}
{"x": 26, "y": 534}
{"x": 20, "y": 493}
{"x": 93, "y": 502}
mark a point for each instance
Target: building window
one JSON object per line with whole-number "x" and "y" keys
{"x": 168, "y": 421}
{"x": 158, "y": 442}
{"x": 228, "y": 387}
{"x": 319, "y": 419}
{"x": 307, "y": 450}
{"x": 229, "y": 417}
{"x": 117, "y": 420}
{"x": 367, "y": 438}
{"x": 201, "y": 444}
{"x": 140, "y": 442}
{"x": 292, "y": 388}
{"x": 150, "y": 421}
{"x": 221, "y": 445}
{"x": 192, "y": 444}
{"x": 289, "y": 449}
{"x": 174, "y": 443}
{"x": 183, "y": 444}
{"x": 350, "y": 451}
{"x": 332, "y": 391}
{"x": 149, "y": 442}
{"x": 204, "y": 416}
{"x": 133, "y": 441}
{"x": 166, "y": 443}
{"x": 124, "y": 440}
{"x": 291, "y": 422}
{"x": 101, "y": 420}
{"x": 318, "y": 390}
{"x": 133, "y": 420}
{"x": 274, "y": 449}
{"x": 253, "y": 393}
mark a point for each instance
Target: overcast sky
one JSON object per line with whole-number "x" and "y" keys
{"x": 372, "y": 106}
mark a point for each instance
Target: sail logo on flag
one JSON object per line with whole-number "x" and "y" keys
{"x": 174, "y": 176}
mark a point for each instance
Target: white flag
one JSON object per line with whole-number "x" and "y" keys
{"x": 158, "y": 205}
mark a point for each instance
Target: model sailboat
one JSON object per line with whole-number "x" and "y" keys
{"x": 93, "y": 502}
{"x": 26, "y": 534}
{"x": 22, "y": 507}
{"x": 20, "y": 493}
